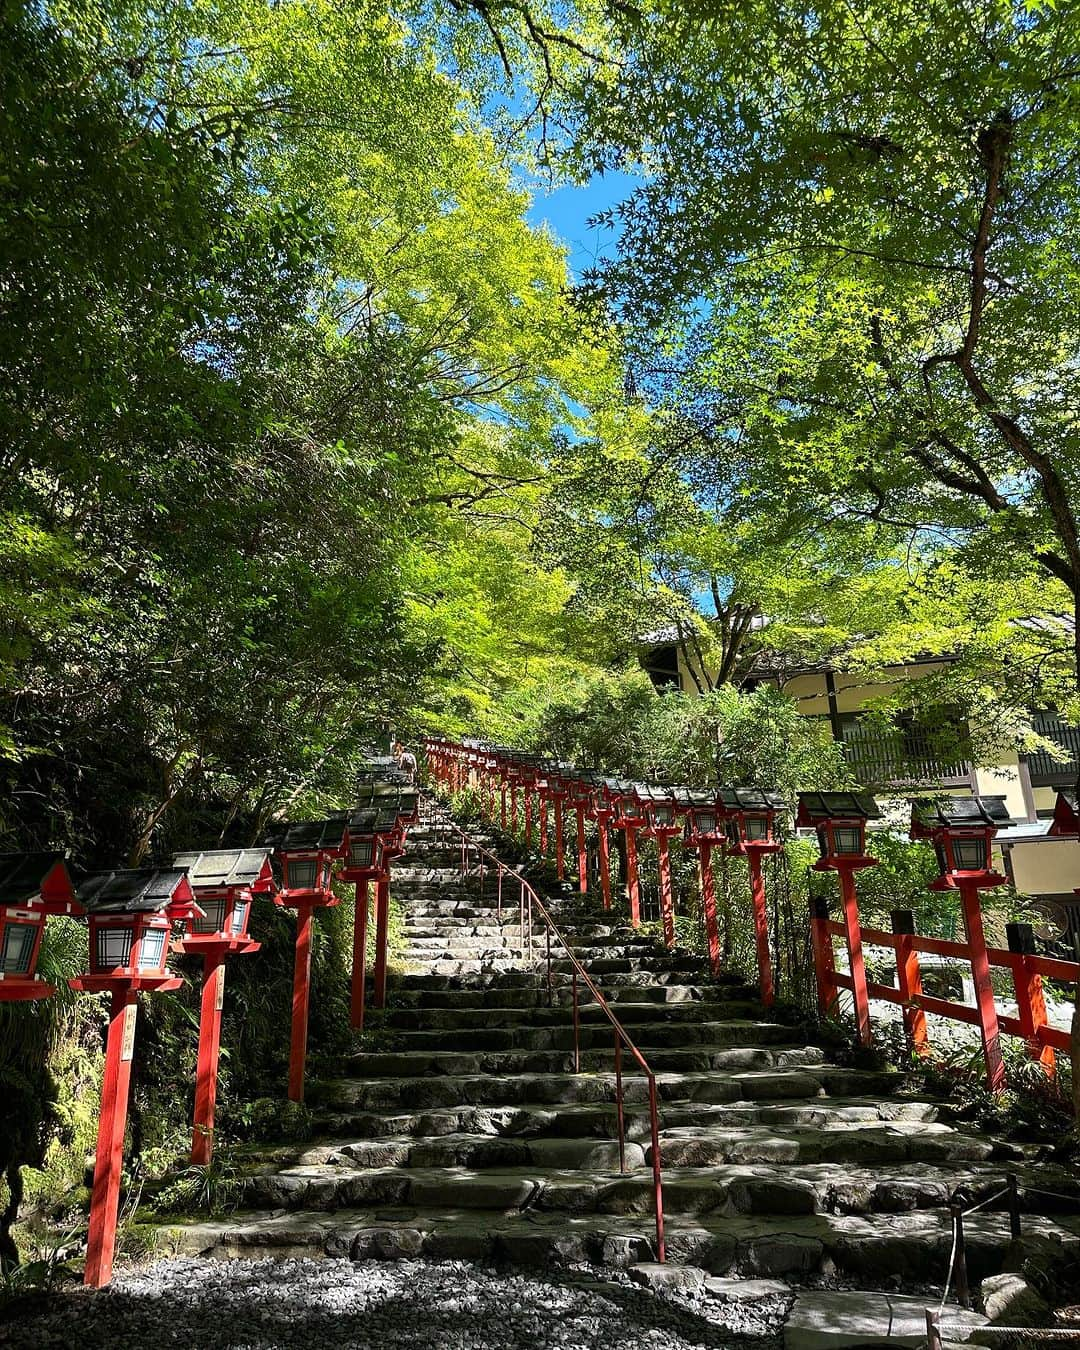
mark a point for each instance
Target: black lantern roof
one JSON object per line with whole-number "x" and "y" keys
{"x": 749, "y": 799}
{"x": 143, "y": 890}
{"x": 386, "y": 820}
{"x": 959, "y": 812}
{"x": 363, "y": 820}
{"x": 815, "y": 807}
{"x": 21, "y": 875}
{"x": 311, "y": 836}
{"x": 231, "y": 867}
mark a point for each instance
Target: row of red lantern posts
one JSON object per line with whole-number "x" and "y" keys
{"x": 205, "y": 899}
{"x": 741, "y": 822}
{"x": 513, "y": 785}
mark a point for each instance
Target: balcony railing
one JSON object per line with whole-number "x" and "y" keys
{"x": 905, "y": 757}
{"x": 1044, "y": 769}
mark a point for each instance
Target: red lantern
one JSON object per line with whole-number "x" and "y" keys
{"x": 962, "y": 830}
{"x": 307, "y": 851}
{"x": 704, "y": 830}
{"x": 629, "y": 816}
{"x": 224, "y": 882}
{"x": 662, "y": 824}
{"x": 839, "y": 819}
{"x": 130, "y": 914}
{"x": 33, "y": 886}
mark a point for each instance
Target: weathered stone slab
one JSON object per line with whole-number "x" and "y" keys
{"x": 825, "y": 1319}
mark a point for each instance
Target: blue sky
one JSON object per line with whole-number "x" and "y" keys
{"x": 566, "y": 209}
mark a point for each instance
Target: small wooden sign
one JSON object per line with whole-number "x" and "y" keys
{"x": 127, "y": 1046}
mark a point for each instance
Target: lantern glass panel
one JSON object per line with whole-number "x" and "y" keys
{"x": 215, "y": 915}
{"x": 971, "y": 855}
{"x": 113, "y": 947}
{"x": 360, "y": 852}
{"x": 238, "y": 923}
{"x": 664, "y": 814}
{"x": 757, "y": 827}
{"x": 706, "y": 822}
{"x": 847, "y": 840}
{"x": 302, "y": 873}
{"x": 18, "y": 948}
{"x": 732, "y": 830}
{"x": 152, "y": 948}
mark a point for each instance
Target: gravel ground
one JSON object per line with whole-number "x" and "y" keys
{"x": 255, "y": 1305}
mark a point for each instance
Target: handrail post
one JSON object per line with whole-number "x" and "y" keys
{"x": 1014, "y": 1204}
{"x": 959, "y": 1269}
{"x": 933, "y": 1329}
{"x": 501, "y": 874}
{"x": 577, "y": 1022}
{"x": 658, "y": 1185}
{"x": 909, "y": 980}
{"x": 619, "y": 1113}
{"x": 549, "y": 984}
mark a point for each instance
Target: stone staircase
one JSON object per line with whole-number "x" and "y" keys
{"x": 458, "y": 1129}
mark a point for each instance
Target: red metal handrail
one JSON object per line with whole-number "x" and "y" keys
{"x": 528, "y": 901}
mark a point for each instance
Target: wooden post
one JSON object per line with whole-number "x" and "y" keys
{"x": 513, "y": 809}
{"x": 359, "y": 956}
{"x": 667, "y": 903}
{"x": 543, "y": 806}
{"x": 909, "y": 980}
{"x": 206, "y": 1073}
{"x": 112, "y": 1123}
{"x": 528, "y": 818}
{"x": 633, "y": 886}
{"x": 824, "y": 957}
{"x": 856, "y": 964}
{"x": 560, "y": 847}
{"x": 1030, "y": 1003}
{"x": 502, "y": 804}
{"x": 300, "y": 1002}
{"x": 761, "y": 925}
{"x": 984, "y": 991}
{"x": 708, "y": 905}
{"x": 605, "y": 859}
{"x": 582, "y": 854}
{"x": 382, "y": 937}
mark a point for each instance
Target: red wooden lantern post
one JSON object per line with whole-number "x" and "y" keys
{"x": 749, "y": 825}
{"x": 224, "y": 881}
{"x": 580, "y": 795}
{"x": 365, "y": 865}
{"x": 962, "y": 830}
{"x": 542, "y": 787}
{"x": 513, "y": 781}
{"x": 839, "y": 818}
{"x": 33, "y": 886}
{"x": 601, "y": 813}
{"x": 630, "y": 817}
{"x": 662, "y": 824}
{"x": 704, "y": 832}
{"x": 390, "y": 829}
{"x": 130, "y": 914}
{"x": 559, "y": 785}
{"x": 308, "y": 850}
{"x": 502, "y": 768}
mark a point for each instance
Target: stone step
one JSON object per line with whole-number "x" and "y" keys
{"x": 630, "y": 1014}
{"x": 582, "y": 1176}
{"x": 737, "y": 1030}
{"x": 423, "y": 992}
{"x": 446, "y": 1089}
{"x": 877, "y": 1247}
{"x": 414, "y": 1063}
{"x": 598, "y": 1120}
